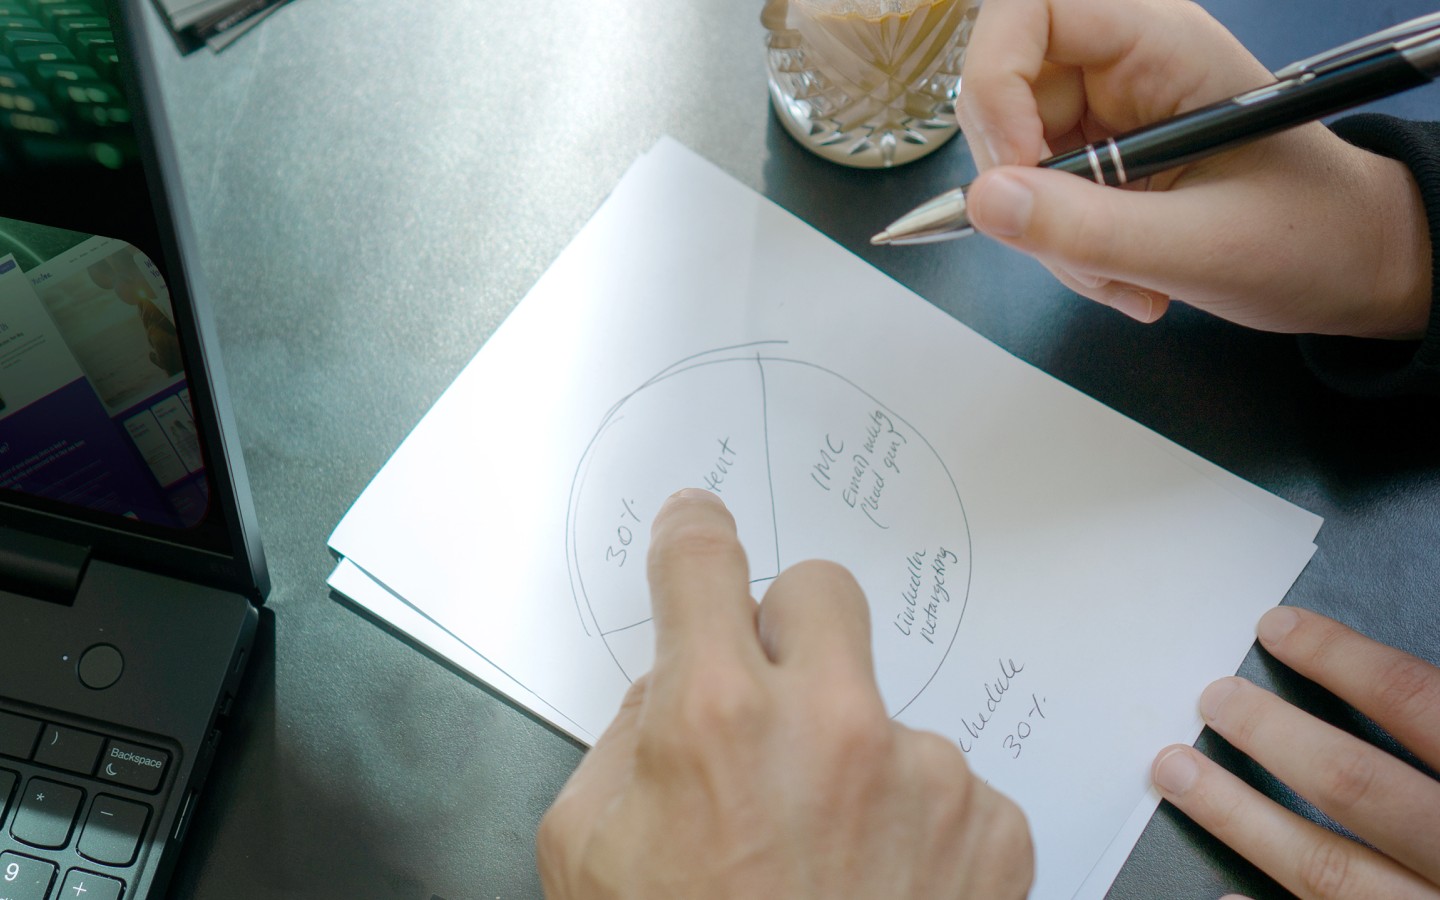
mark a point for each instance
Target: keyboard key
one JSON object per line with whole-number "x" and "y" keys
{"x": 57, "y": 14}
{"x": 80, "y": 21}
{"x": 18, "y": 735}
{"x": 11, "y": 80}
{"x": 34, "y": 54}
{"x": 57, "y": 72}
{"x": 91, "y": 42}
{"x": 82, "y": 885}
{"x": 30, "y": 124}
{"x": 12, "y": 39}
{"x": 7, "y": 786}
{"x": 106, "y": 115}
{"x": 25, "y": 877}
{"x": 113, "y": 830}
{"x": 23, "y": 102}
{"x": 73, "y": 97}
{"x": 87, "y": 93}
{"x": 69, "y": 749}
{"x": 55, "y": 153}
{"x": 47, "y": 813}
{"x": 133, "y": 765}
{"x": 107, "y": 60}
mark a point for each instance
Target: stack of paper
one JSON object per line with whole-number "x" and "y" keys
{"x": 216, "y": 23}
{"x": 1051, "y": 585}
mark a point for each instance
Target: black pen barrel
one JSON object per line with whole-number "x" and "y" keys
{"x": 1260, "y": 113}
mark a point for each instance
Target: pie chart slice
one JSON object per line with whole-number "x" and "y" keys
{"x": 811, "y": 466}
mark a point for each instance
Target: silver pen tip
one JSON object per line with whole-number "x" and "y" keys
{"x": 940, "y": 218}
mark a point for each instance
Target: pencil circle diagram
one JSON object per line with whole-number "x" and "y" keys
{"x": 810, "y": 465}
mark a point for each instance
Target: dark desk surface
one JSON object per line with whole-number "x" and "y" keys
{"x": 375, "y": 185}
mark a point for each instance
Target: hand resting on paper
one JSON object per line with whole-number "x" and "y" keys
{"x": 1299, "y": 232}
{"x": 1382, "y": 800}
{"x": 756, "y": 758}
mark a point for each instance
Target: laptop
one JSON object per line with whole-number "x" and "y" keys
{"x": 130, "y": 572}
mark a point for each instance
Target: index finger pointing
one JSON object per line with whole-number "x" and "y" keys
{"x": 699, "y": 581}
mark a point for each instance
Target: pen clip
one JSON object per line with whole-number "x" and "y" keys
{"x": 1380, "y": 40}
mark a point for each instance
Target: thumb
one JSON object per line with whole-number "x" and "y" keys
{"x": 1078, "y": 225}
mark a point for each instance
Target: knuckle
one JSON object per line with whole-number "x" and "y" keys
{"x": 1009, "y": 823}
{"x": 720, "y": 702}
{"x": 866, "y": 737}
{"x": 853, "y": 733}
{"x": 1351, "y": 778}
{"x": 1409, "y": 690}
{"x": 1325, "y": 871}
{"x": 635, "y": 694}
{"x": 1239, "y": 718}
{"x": 965, "y": 110}
{"x": 1328, "y": 647}
{"x": 1192, "y": 13}
{"x": 947, "y": 778}
{"x": 1223, "y": 813}
{"x": 557, "y": 831}
{"x": 549, "y": 836}
{"x": 939, "y": 755}
{"x": 680, "y": 544}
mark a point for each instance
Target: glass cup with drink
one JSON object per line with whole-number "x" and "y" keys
{"x": 867, "y": 83}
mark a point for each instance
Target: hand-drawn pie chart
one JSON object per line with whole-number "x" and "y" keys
{"x": 811, "y": 466}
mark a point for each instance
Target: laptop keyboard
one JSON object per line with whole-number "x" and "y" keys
{"x": 60, "y": 95}
{"x": 76, "y": 806}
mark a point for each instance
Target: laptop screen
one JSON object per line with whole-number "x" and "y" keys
{"x": 96, "y": 408}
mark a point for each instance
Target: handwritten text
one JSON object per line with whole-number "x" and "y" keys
{"x": 829, "y": 454}
{"x": 724, "y": 459}
{"x": 866, "y": 485}
{"x": 995, "y": 691}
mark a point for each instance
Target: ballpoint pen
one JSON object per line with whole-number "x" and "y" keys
{"x": 1378, "y": 65}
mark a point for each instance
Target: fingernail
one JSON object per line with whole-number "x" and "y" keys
{"x": 1275, "y": 624}
{"x": 1006, "y": 207}
{"x": 1084, "y": 279}
{"x": 1138, "y": 305}
{"x": 1215, "y": 695}
{"x": 692, "y": 494}
{"x": 1176, "y": 772}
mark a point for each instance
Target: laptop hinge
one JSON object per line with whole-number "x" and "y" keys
{"x": 41, "y": 567}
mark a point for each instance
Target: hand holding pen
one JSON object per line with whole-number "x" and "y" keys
{"x": 1300, "y": 233}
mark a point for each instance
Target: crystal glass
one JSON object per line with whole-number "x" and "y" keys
{"x": 868, "y": 83}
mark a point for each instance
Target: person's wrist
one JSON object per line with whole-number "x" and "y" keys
{"x": 1404, "y": 279}
{"x": 1399, "y": 212}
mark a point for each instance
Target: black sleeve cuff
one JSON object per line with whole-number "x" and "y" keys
{"x": 1374, "y": 368}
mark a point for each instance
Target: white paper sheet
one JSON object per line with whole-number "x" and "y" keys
{"x": 1051, "y": 584}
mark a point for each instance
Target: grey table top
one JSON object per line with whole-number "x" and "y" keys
{"x": 375, "y": 185}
